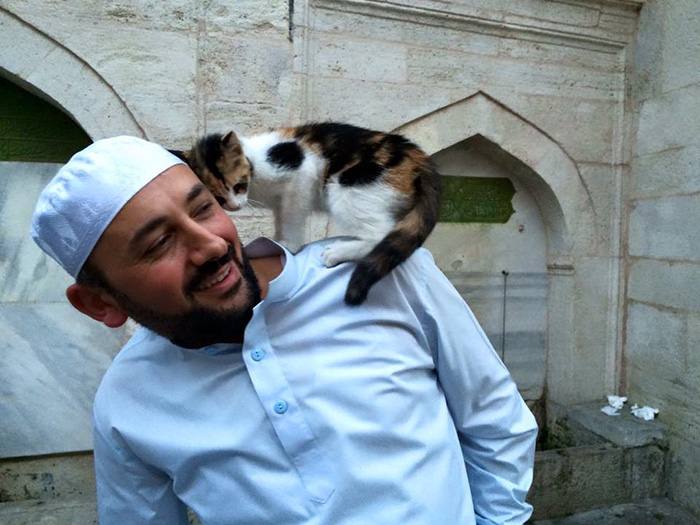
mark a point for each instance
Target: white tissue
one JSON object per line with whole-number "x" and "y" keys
{"x": 645, "y": 412}
{"x": 609, "y": 411}
{"x": 616, "y": 401}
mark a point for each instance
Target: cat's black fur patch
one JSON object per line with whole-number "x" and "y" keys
{"x": 210, "y": 146}
{"x": 344, "y": 145}
{"x": 362, "y": 173}
{"x": 286, "y": 155}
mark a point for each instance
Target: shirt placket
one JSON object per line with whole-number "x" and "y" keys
{"x": 283, "y": 410}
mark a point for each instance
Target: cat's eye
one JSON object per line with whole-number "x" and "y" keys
{"x": 240, "y": 187}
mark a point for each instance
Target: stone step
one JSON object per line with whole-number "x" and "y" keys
{"x": 646, "y": 512}
{"x": 48, "y": 512}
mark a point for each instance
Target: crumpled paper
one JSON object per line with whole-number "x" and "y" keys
{"x": 610, "y": 410}
{"x": 646, "y": 412}
{"x": 616, "y": 401}
{"x": 614, "y": 404}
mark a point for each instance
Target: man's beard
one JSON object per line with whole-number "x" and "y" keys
{"x": 202, "y": 326}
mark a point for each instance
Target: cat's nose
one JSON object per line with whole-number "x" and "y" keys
{"x": 221, "y": 201}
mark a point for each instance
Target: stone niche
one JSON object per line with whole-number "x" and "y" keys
{"x": 52, "y": 357}
{"x": 511, "y": 307}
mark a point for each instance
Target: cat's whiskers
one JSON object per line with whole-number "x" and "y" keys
{"x": 255, "y": 206}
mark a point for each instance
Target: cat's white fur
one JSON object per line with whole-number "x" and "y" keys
{"x": 296, "y": 193}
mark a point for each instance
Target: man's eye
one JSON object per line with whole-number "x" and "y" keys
{"x": 158, "y": 246}
{"x": 204, "y": 208}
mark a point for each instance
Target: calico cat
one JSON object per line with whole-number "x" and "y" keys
{"x": 380, "y": 187}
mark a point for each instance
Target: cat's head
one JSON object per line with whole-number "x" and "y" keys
{"x": 221, "y": 165}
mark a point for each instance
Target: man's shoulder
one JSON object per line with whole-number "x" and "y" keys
{"x": 410, "y": 277}
{"x": 312, "y": 253}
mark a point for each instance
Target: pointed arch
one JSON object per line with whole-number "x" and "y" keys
{"x": 552, "y": 176}
{"x": 48, "y": 69}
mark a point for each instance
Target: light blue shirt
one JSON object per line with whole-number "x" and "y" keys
{"x": 395, "y": 412}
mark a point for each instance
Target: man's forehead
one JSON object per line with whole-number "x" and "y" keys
{"x": 176, "y": 186}
{"x": 173, "y": 185}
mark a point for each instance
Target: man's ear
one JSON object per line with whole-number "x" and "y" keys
{"x": 96, "y": 304}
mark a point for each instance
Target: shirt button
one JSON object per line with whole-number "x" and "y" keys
{"x": 281, "y": 407}
{"x": 211, "y": 350}
{"x": 258, "y": 355}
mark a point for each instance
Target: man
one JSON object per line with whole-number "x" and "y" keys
{"x": 255, "y": 395}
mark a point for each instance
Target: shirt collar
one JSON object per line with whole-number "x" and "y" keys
{"x": 280, "y": 287}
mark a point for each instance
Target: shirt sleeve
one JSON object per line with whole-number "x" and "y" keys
{"x": 128, "y": 491}
{"x": 497, "y": 431}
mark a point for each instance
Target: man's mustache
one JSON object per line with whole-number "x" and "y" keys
{"x": 209, "y": 268}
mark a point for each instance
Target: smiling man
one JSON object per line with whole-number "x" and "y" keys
{"x": 253, "y": 394}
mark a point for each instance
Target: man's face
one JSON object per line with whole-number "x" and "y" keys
{"x": 174, "y": 263}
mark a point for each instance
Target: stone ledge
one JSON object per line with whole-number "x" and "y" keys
{"x": 656, "y": 511}
{"x": 56, "y": 512}
{"x": 624, "y": 430}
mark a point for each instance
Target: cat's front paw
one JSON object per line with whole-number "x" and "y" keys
{"x": 344, "y": 251}
{"x": 331, "y": 257}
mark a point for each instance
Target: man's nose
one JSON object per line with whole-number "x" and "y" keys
{"x": 205, "y": 245}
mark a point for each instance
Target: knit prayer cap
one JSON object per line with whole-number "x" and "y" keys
{"x": 85, "y": 195}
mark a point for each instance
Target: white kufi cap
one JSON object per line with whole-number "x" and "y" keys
{"x": 78, "y": 204}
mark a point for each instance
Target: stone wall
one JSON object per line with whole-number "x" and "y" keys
{"x": 51, "y": 357}
{"x": 663, "y": 267}
{"x": 542, "y": 82}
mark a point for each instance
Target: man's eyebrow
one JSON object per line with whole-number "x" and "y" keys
{"x": 144, "y": 230}
{"x": 151, "y": 225}
{"x": 196, "y": 190}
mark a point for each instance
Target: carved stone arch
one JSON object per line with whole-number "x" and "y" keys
{"x": 50, "y": 70}
{"x": 552, "y": 176}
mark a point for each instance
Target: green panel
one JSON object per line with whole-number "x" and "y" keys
{"x": 32, "y": 130}
{"x": 476, "y": 199}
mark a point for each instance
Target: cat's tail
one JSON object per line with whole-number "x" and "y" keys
{"x": 408, "y": 234}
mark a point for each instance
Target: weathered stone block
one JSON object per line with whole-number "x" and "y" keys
{"x": 69, "y": 477}
{"x": 665, "y": 283}
{"x": 666, "y": 228}
{"x": 374, "y": 105}
{"x": 623, "y": 430}
{"x": 684, "y": 470}
{"x": 575, "y": 479}
{"x": 29, "y": 275}
{"x": 595, "y": 328}
{"x": 52, "y": 361}
{"x": 669, "y": 113}
{"x": 656, "y": 340}
{"x": 670, "y": 171}
{"x": 604, "y": 184}
{"x": 681, "y": 20}
{"x": 350, "y": 58}
{"x": 566, "y": 119}
{"x": 244, "y": 76}
{"x": 646, "y": 73}
{"x": 405, "y": 31}
{"x": 267, "y": 17}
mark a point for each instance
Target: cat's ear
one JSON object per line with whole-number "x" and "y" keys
{"x": 229, "y": 138}
{"x": 96, "y": 304}
{"x": 230, "y": 143}
{"x": 182, "y": 155}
